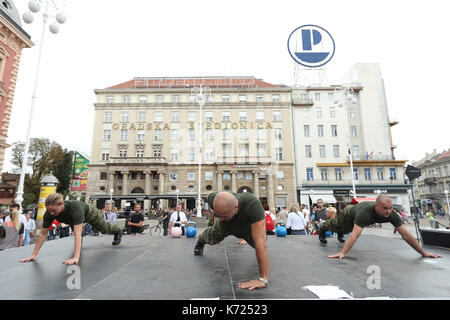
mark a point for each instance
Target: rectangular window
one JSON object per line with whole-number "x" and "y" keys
{"x": 308, "y": 151}
{"x": 209, "y": 176}
{"x": 159, "y": 99}
{"x": 275, "y": 98}
{"x": 174, "y": 135}
{"x": 277, "y": 134}
{"x": 124, "y": 116}
{"x": 261, "y": 150}
{"x": 306, "y": 130}
{"x": 158, "y": 116}
{"x": 243, "y": 150}
{"x": 351, "y": 112}
{"x": 191, "y": 176}
{"x": 209, "y": 98}
{"x": 280, "y": 175}
{"x": 392, "y": 174}
{"x": 322, "y": 151}
{"x": 142, "y": 116}
{"x": 248, "y": 176}
{"x": 380, "y": 173}
{"x": 338, "y": 172}
{"x": 175, "y": 116}
{"x": 355, "y": 174}
{"x": 226, "y": 150}
{"x": 123, "y": 134}
{"x": 243, "y": 134}
{"x": 354, "y": 131}
{"x": 259, "y": 115}
{"x": 331, "y": 96}
{"x": 261, "y": 134}
{"x": 355, "y": 152}
{"x": 139, "y": 153}
{"x": 109, "y": 99}
{"x": 279, "y": 154}
{"x": 319, "y": 112}
{"x": 142, "y": 99}
{"x": 334, "y": 130}
{"x": 226, "y": 134}
{"x": 191, "y": 134}
{"x": 303, "y": 97}
{"x": 175, "y": 99}
{"x": 103, "y": 176}
{"x": 243, "y": 116}
{"x": 209, "y": 155}
{"x": 324, "y": 174}
{"x": 320, "y": 130}
{"x": 191, "y": 154}
{"x": 158, "y": 134}
{"x": 332, "y": 112}
{"x": 336, "y": 152}
{"x": 108, "y": 116}
{"x": 367, "y": 174}
{"x": 192, "y": 116}
{"x": 225, "y": 98}
{"x": 105, "y": 155}
{"x": 141, "y": 135}
{"x": 317, "y": 96}
{"x": 226, "y": 176}
{"x": 209, "y": 116}
{"x": 157, "y": 153}
{"x": 306, "y": 112}
{"x": 106, "y": 135}
{"x": 209, "y": 134}
{"x": 174, "y": 154}
{"x": 240, "y": 175}
{"x": 242, "y": 98}
{"x": 125, "y": 99}
{"x": 259, "y": 98}
{"x": 309, "y": 174}
{"x": 225, "y": 116}
{"x": 277, "y": 116}
{"x": 122, "y": 153}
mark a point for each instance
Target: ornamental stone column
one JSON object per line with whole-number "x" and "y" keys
{"x": 256, "y": 187}
{"x": 270, "y": 191}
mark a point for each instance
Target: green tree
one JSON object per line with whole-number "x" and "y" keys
{"x": 44, "y": 156}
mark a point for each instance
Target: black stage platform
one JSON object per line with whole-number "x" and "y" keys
{"x": 165, "y": 268}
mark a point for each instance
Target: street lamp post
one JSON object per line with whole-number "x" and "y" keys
{"x": 448, "y": 207}
{"x": 53, "y": 9}
{"x": 111, "y": 192}
{"x": 199, "y": 93}
{"x": 342, "y": 96}
{"x": 178, "y": 191}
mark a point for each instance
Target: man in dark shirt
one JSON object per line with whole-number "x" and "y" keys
{"x": 136, "y": 220}
{"x": 355, "y": 217}
{"x": 241, "y": 215}
{"x": 74, "y": 213}
{"x": 321, "y": 213}
{"x": 165, "y": 219}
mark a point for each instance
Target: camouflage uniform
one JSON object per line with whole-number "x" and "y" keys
{"x": 96, "y": 219}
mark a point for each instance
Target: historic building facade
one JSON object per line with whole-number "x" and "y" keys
{"x": 321, "y": 130}
{"x": 146, "y": 148}
{"x": 12, "y": 40}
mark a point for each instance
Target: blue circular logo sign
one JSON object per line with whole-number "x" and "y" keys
{"x": 311, "y": 46}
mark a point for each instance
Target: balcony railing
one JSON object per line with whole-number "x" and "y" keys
{"x": 303, "y": 102}
{"x": 137, "y": 160}
{"x": 243, "y": 159}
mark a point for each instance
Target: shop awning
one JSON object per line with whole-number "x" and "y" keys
{"x": 326, "y": 198}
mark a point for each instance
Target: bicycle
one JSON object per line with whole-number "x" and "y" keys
{"x": 156, "y": 229}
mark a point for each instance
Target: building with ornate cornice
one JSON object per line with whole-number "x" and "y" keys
{"x": 145, "y": 148}
{"x": 12, "y": 40}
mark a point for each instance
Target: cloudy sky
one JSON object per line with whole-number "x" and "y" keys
{"x": 106, "y": 42}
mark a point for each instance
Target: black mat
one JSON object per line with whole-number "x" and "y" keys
{"x": 165, "y": 268}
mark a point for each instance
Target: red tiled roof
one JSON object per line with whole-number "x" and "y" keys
{"x": 443, "y": 155}
{"x": 190, "y": 82}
